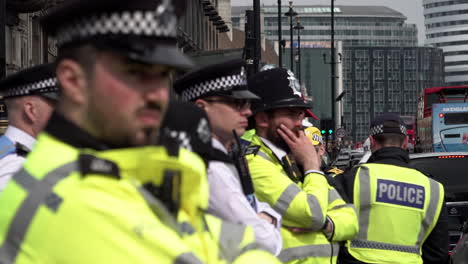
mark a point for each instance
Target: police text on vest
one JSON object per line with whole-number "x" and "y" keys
{"x": 400, "y": 193}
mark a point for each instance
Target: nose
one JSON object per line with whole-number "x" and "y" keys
{"x": 156, "y": 91}
{"x": 246, "y": 112}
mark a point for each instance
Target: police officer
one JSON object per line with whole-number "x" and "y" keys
{"x": 221, "y": 91}
{"x": 316, "y": 138}
{"x": 402, "y": 216}
{"x": 87, "y": 193}
{"x": 30, "y": 96}
{"x": 286, "y": 173}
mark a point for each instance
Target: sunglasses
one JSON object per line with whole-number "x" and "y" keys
{"x": 238, "y": 104}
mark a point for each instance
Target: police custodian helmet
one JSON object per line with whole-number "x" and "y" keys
{"x": 226, "y": 79}
{"x": 37, "y": 80}
{"x": 142, "y": 30}
{"x": 276, "y": 87}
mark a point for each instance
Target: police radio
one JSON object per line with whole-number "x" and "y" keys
{"x": 238, "y": 155}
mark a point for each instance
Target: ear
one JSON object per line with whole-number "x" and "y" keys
{"x": 30, "y": 111}
{"x": 405, "y": 143}
{"x": 321, "y": 150}
{"x": 73, "y": 80}
{"x": 373, "y": 143}
{"x": 202, "y": 104}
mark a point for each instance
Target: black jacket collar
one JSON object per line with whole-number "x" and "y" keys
{"x": 391, "y": 156}
{"x": 66, "y": 131}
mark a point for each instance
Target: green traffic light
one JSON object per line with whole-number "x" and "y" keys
{"x": 330, "y": 131}
{"x": 323, "y": 132}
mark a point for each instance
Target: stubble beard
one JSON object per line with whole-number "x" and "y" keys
{"x": 276, "y": 139}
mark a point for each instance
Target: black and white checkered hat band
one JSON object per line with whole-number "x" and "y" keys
{"x": 379, "y": 129}
{"x": 139, "y": 23}
{"x": 219, "y": 84}
{"x": 182, "y": 138}
{"x": 43, "y": 86}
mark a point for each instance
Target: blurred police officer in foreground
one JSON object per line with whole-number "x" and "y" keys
{"x": 30, "y": 96}
{"x": 221, "y": 91}
{"x": 286, "y": 173}
{"x": 84, "y": 194}
{"x": 402, "y": 215}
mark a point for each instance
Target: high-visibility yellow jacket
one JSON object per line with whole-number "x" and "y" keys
{"x": 72, "y": 205}
{"x": 398, "y": 209}
{"x": 304, "y": 204}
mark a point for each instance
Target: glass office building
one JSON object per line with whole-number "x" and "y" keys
{"x": 354, "y": 25}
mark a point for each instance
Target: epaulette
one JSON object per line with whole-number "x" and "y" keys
{"x": 244, "y": 142}
{"x": 335, "y": 171}
{"x": 252, "y": 150}
{"x": 22, "y": 150}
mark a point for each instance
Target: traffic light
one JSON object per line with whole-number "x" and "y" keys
{"x": 327, "y": 126}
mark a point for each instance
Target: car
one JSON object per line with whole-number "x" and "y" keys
{"x": 460, "y": 252}
{"x": 451, "y": 170}
{"x": 342, "y": 161}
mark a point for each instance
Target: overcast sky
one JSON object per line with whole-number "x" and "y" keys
{"x": 410, "y": 8}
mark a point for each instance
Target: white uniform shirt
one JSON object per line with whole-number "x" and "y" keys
{"x": 13, "y": 162}
{"x": 228, "y": 202}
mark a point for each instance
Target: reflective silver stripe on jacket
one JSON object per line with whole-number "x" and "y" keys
{"x": 361, "y": 240}
{"x": 365, "y": 202}
{"x": 39, "y": 191}
{"x": 431, "y": 211}
{"x": 345, "y": 206}
{"x": 384, "y": 246}
{"x": 158, "y": 209}
{"x": 230, "y": 238}
{"x": 302, "y": 252}
{"x": 187, "y": 258}
{"x": 333, "y": 195}
{"x": 264, "y": 155}
{"x": 186, "y": 228}
{"x": 287, "y": 197}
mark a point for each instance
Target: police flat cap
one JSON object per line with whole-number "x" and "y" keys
{"x": 387, "y": 123}
{"x": 277, "y": 89}
{"x": 222, "y": 79}
{"x": 37, "y": 80}
{"x": 140, "y": 29}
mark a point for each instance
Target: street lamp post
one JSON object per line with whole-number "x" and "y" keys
{"x": 333, "y": 60}
{"x": 298, "y": 27}
{"x": 280, "y": 36}
{"x": 291, "y": 14}
{"x": 257, "y": 34}
{"x": 2, "y": 39}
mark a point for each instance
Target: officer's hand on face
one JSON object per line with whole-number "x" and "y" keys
{"x": 301, "y": 147}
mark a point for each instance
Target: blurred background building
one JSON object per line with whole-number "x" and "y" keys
{"x": 386, "y": 79}
{"x": 447, "y": 28}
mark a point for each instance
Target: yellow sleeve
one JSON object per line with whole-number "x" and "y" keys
{"x": 343, "y": 216}
{"x": 300, "y": 206}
